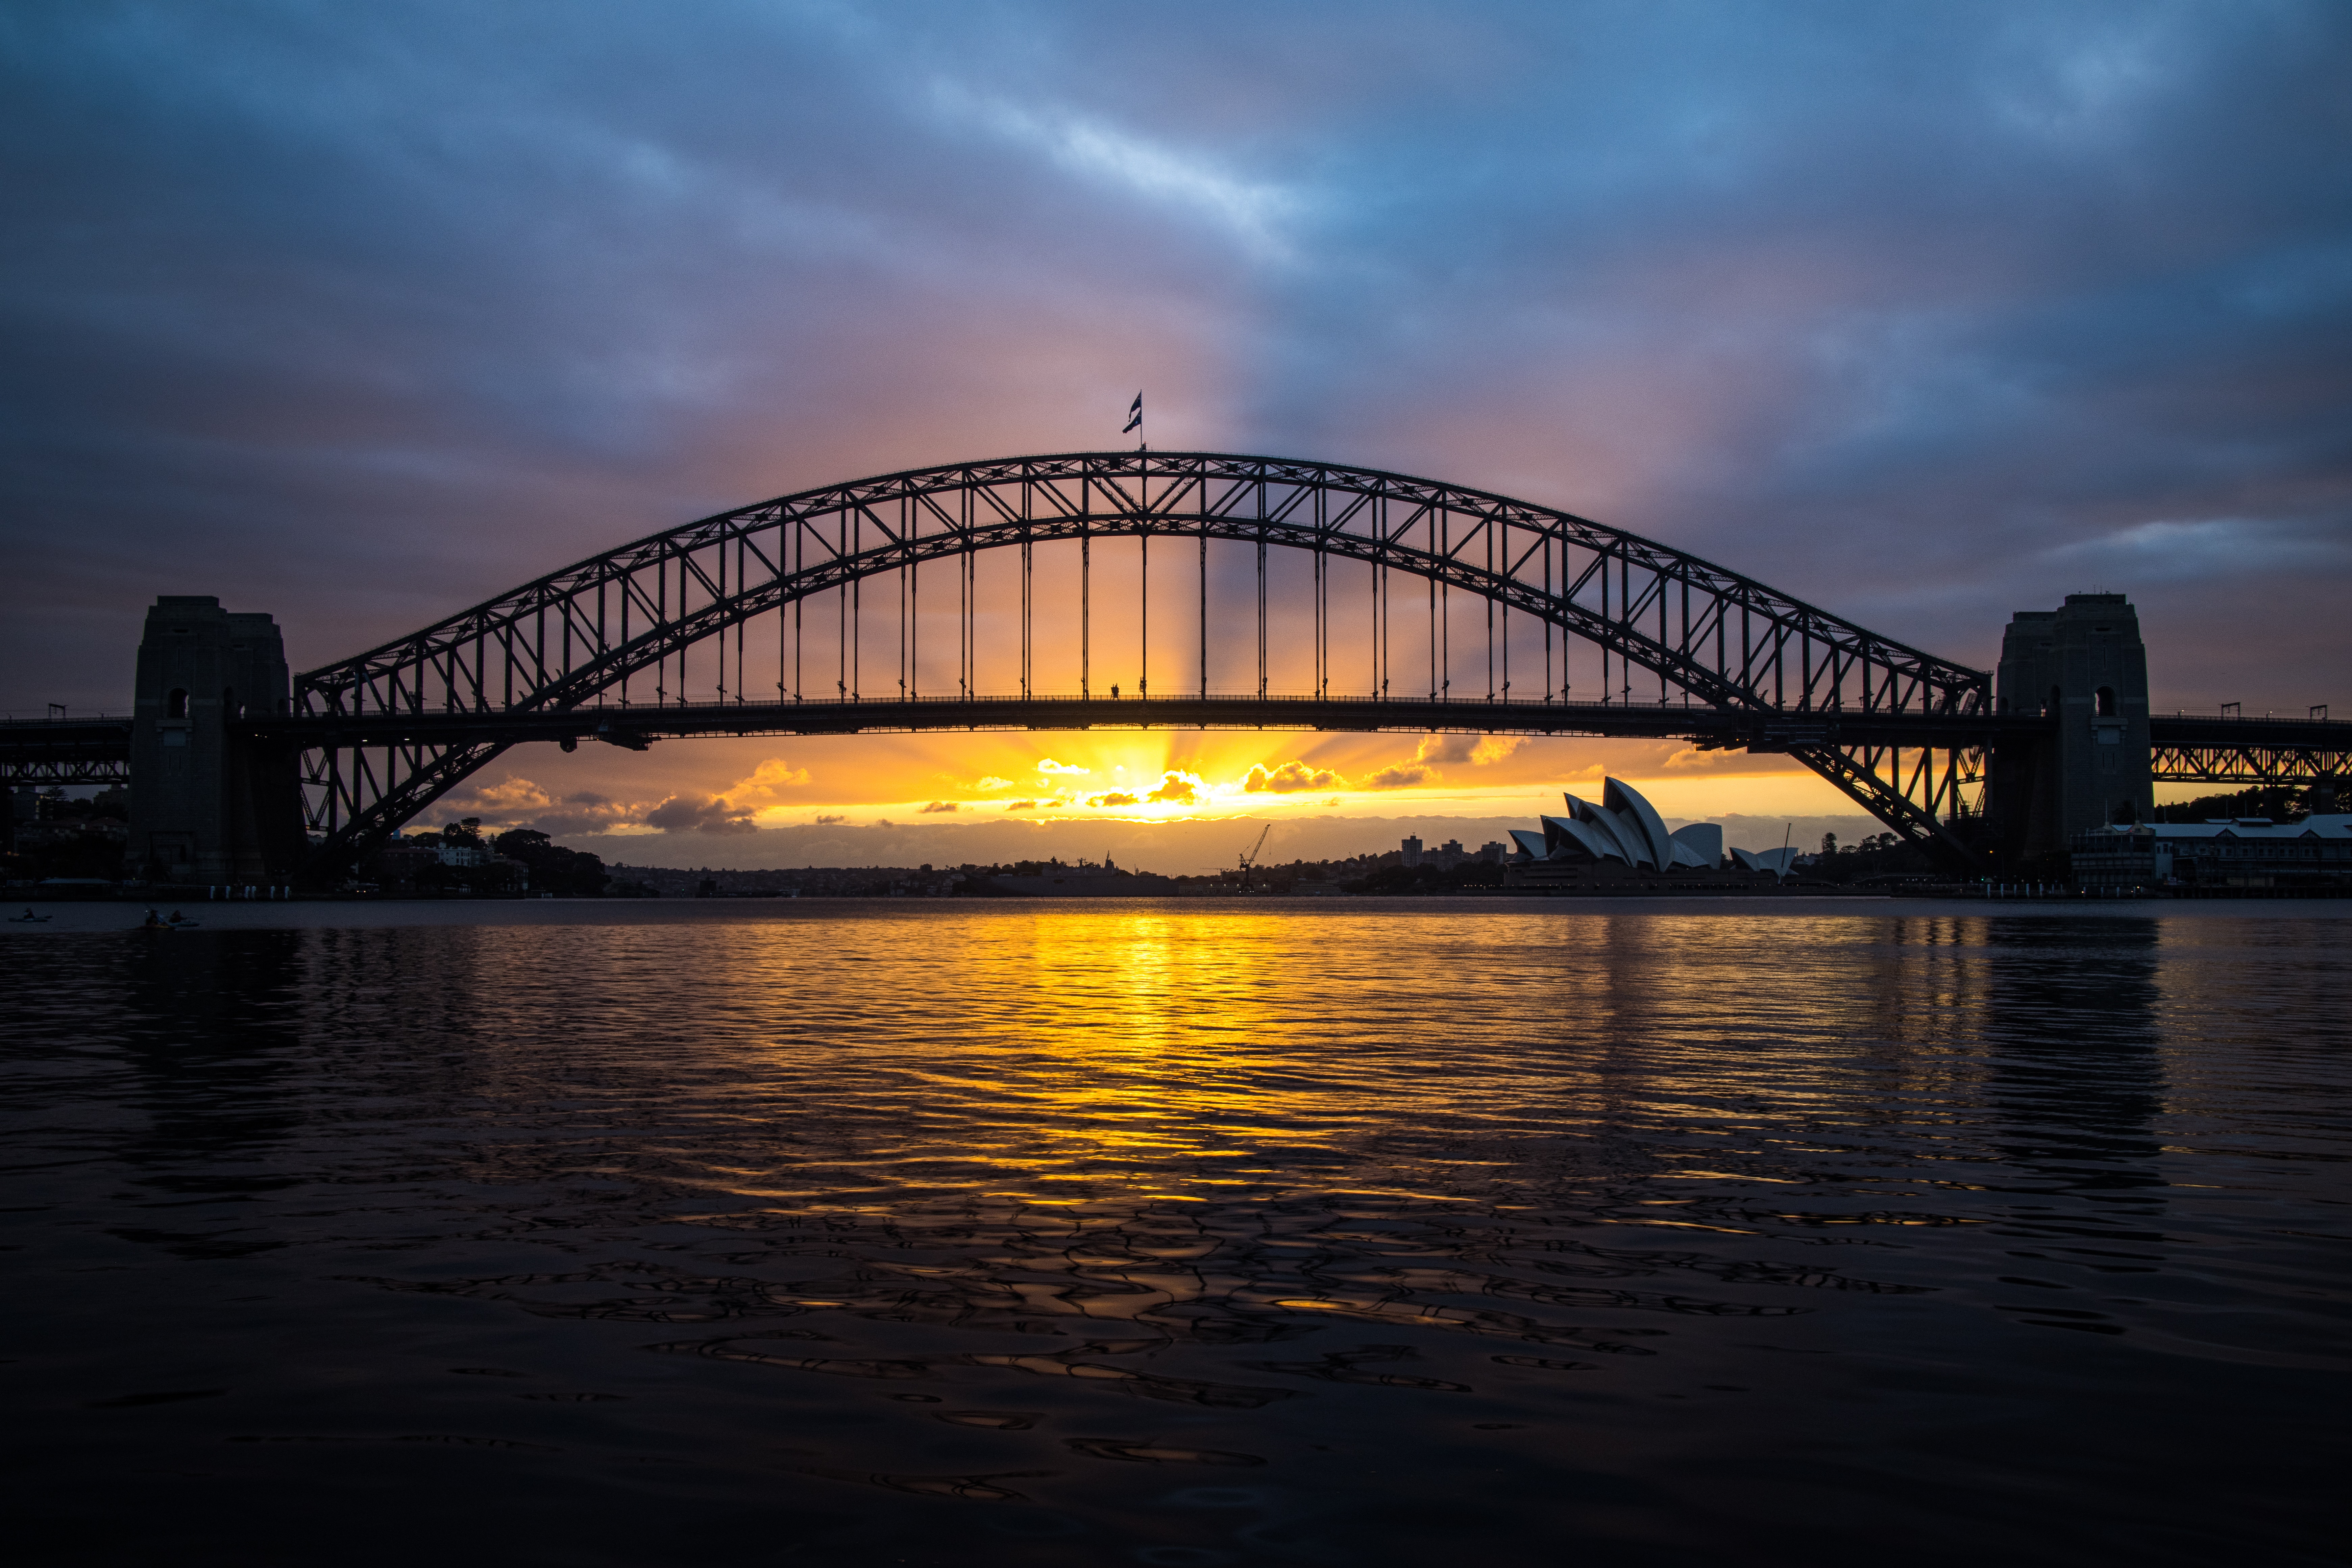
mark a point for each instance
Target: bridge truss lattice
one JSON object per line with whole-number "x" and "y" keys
{"x": 1420, "y": 604}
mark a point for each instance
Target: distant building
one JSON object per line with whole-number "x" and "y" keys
{"x": 1084, "y": 881}
{"x": 1412, "y": 852}
{"x": 402, "y": 862}
{"x": 2239, "y": 854}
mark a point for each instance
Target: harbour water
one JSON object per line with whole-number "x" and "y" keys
{"x": 1343, "y": 1232}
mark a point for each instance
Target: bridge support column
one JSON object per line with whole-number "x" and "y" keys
{"x": 2083, "y": 667}
{"x": 208, "y": 805}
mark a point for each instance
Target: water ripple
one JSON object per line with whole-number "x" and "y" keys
{"x": 1673, "y": 1231}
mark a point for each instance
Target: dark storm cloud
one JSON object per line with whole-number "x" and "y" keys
{"x": 1925, "y": 313}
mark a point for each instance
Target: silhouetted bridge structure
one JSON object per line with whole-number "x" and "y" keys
{"x": 1021, "y": 595}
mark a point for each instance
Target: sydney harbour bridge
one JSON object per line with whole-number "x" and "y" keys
{"x": 1139, "y": 590}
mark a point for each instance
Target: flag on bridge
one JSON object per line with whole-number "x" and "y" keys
{"x": 1134, "y": 415}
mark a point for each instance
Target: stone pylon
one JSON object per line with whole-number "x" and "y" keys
{"x": 207, "y": 804}
{"x": 2083, "y": 667}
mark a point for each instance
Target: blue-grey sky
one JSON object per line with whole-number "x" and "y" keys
{"x": 1924, "y": 312}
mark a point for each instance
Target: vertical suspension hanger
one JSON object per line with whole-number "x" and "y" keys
{"x": 1322, "y": 595}
{"x": 1608, "y": 628}
{"x": 1625, "y": 609}
{"x": 1429, "y": 539}
{"x": 1086, "y": 586}
{"x": 1143, "y": 584}
{"x": 1028, "y": 592}
{"x": 963, "y": 597}
{"x": 1261, "y": 590}
{"x": 910, "y": 624}
{"x": 1378, "y": 522}
{"x": 1204, "y": 592}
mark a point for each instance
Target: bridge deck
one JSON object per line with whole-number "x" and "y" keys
{"x": 44, "y": 752}
{"x": 91, "y": 751}
{"x": 1754, "y": 730}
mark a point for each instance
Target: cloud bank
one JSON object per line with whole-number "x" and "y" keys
{"x": 1922, "y": 314}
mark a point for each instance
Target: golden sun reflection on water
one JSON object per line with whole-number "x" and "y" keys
{"x": 1061, "y": 1054}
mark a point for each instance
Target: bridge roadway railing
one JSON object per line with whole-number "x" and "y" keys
{"x": 41, "y": 753}
{"x": 2209, "y": 747}
{"x": 2188, "y": 747}
{"x": 633, "y": 725}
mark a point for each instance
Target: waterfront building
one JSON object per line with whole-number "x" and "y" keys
{"x": 1620, "y": 835}
{"x": 2223, "y": 855}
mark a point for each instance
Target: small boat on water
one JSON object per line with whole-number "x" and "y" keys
{"x": 28, "y": 917}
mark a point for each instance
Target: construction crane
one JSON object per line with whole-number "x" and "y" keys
{"x": 1250, "y": 858}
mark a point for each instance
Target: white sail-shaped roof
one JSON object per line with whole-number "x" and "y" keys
{"x": 1627, "y": 831}
{"x": 1572, "y": 840}
{"x": 1625, "y": 839}
{"x": 1698, "y": 845}
{"x": 1638, "y": 813}
{"x": 1776, "y": 862}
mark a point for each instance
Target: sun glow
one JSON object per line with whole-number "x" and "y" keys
{"x": 1138, "y": 776}
{"x": 1179, "y": 775}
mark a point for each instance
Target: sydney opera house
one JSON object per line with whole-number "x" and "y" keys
{"x": 1622, "y": 834}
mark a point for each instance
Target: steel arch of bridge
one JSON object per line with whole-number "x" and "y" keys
{"x": 388, "y": 731}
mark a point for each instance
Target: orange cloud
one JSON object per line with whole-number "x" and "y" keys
{"x": 765, "y": 784}
{"x": 941, "y": 805}
{"x": 520, "y": 802}
{"x": 1177, "y": 788}
{"x": 1405, "y": 775}
{"x": 1289, "y": 778}
{"x": 1448, "y": 747}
